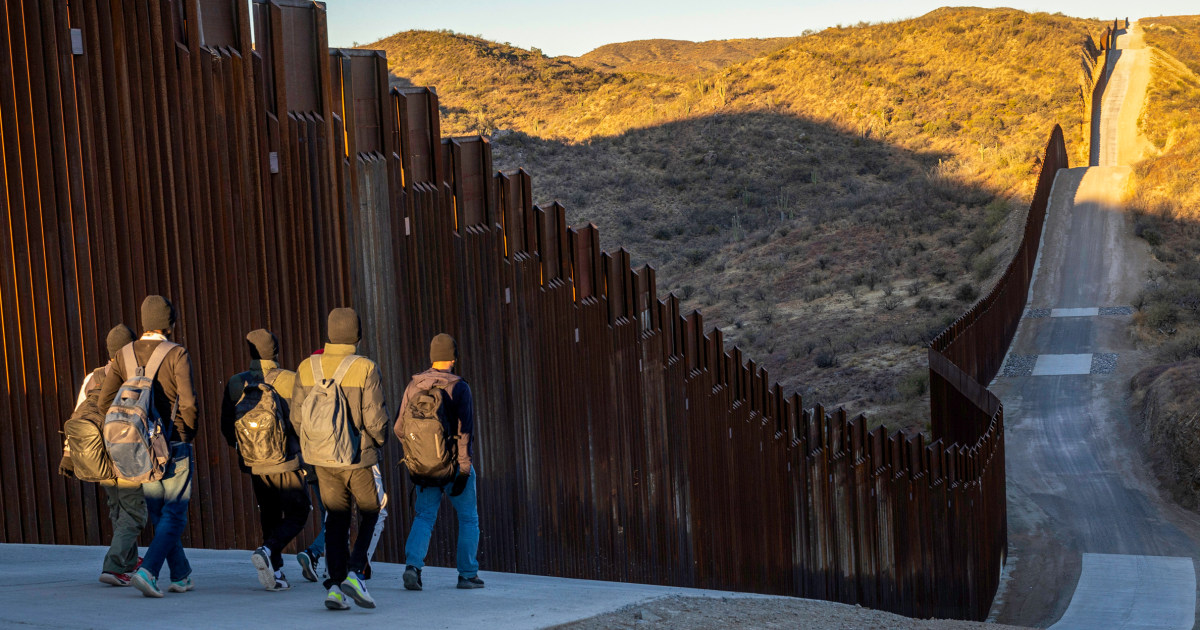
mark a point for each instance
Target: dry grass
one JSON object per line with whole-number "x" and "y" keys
{"x": 677, "y": 58}
{"x": 1166, "y": 189}
{"x": 830, "y": 205}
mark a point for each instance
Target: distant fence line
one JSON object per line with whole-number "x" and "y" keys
{"x": 148, "y": 147}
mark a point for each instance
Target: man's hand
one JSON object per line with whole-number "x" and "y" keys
{"x": 460, "y": 482}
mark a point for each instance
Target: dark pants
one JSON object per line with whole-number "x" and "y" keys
{"x": 283, "y": 508}
{"x": 338, "y": 487}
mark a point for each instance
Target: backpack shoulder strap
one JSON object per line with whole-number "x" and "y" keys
{"x": 271, "y": 375}
{"x": 157, "y": 358}
{"x": 318, "y": 373}
{"x": 129, "y": 360}
{"x": 344, "y": 367}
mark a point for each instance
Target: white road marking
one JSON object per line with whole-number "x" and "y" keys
{"x": 1062, "y": 364}
{"x": 1075, "y": 312}
{"x": 1118, "y": 592}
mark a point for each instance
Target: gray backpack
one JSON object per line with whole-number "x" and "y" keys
{"x": 328, "y": 436}
{"x": 134, "y": 434}
{"x": 430, "y": 443}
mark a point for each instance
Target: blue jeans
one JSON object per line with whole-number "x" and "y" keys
{"x": 428, "y": 500}
{"x": 167, "y": 506}
{"x": 317, "y": 548}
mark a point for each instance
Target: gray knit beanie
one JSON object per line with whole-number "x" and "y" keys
{"x": 157, "y": 313}
{"x": 263, "y": 344}
{"x": 443, "y": 348}
{"x": 119, "y": 337}
{"x": 344, "y": 326}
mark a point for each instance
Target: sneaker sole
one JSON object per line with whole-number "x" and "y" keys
{"x": 145, "y": 587}
{"x": 412, "y": 584}
{"x": 179, "y": 589}
{"x": 306, "y": 567}
{"x": 469, "y": 587}
{"x": 358, "y": 598}
{"x": 111, "y": 580}
{"x": 266, "y": 575}
{"x": 336, "y": 605}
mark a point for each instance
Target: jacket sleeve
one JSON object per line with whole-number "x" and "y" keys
{"x": 466, "y": 423}
{"x": 187, "y": 411}
{"x": 227, "y": 413}
{"x": 374, "y": 408}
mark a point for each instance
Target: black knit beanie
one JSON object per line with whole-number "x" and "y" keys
{"x": 119, "y": 337}
{"x": 263, "y": 344}
{"x": 344, "y": 326}
{"x": 443, "y": 348}
{"x": 157, "y": 313}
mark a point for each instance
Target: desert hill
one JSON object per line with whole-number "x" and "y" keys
{"x": 830, "y": 205}
{"x": 677, "y": 58}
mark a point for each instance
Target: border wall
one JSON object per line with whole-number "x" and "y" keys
{"x": 260, "y": 179}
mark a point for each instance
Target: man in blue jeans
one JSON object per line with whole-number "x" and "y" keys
{"x": 175, "y": 401}
{"x": 460, "y": 413}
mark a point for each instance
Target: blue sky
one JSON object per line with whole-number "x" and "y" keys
{"x": 564, "y": 27}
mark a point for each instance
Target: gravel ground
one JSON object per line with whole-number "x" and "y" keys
{"x": 1037, "y": 312}
{"x": 1104, "y": 363}
{"x": 1019, "y": 365}
{"x": 685, "y": 613}
{"x": 1116, "y": 310}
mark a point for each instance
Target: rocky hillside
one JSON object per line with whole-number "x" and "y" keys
{"x": 677, "y": 58}
{"x": 830, "y": 205}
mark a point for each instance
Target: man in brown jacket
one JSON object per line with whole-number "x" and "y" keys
{"x": 126, "y": 504}
{"x": 279, "y": 485}
{"x": 341, "y": 482}
{"x": 175, "y": 401}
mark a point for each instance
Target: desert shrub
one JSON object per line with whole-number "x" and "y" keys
{"x": 826, "y": 359}
{"x": 914, "y": 384}
{"x": 1161, "y": 316}
{"x": 966, "y": 292}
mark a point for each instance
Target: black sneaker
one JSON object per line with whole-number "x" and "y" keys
{"x": 308, "y": 564}
{"x": 471, "y": 582}
{"x": 412, "y": 578}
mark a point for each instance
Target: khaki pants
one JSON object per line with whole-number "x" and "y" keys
{"x": 127, "y": 511}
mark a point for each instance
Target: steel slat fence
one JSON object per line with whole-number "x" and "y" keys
{"x": 261, "y": 185}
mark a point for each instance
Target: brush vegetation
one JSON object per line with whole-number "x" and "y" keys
{"x": 677, "y": 58}
{"x": 1166, "y": 189}
{"x": 831, "y": 204}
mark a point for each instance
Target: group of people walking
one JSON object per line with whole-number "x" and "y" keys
{"x": 324, "y": 424}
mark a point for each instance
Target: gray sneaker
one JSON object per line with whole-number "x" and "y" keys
{"x": 469, "y": 582}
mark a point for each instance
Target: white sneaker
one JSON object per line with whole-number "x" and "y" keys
{"x": 336, "y": 601}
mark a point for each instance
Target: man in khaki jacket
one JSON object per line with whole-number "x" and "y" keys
{"x": 360, "y": 380}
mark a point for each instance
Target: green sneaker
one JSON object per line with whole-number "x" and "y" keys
{"x": 146, "y": 583}
{"x": 336, "y": 601}
{"x": 354, "y": 587}
{"x": 182, "y": 586}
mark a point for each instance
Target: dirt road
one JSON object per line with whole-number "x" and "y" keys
{"x": 1090, "y": 534}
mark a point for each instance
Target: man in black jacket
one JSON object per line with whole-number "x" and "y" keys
{"x": 166, "y": 499}
{"x": 279, "y": 486}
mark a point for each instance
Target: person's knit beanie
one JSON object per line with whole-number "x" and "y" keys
{"x": 344, "y": 326}
{"x": 157, "y": 313}
{"x": 443, "y": 348}
{"x": 119, "y": 337}
{"x": 263, "y": 344}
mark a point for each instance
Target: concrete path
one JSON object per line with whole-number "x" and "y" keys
{"x": 1077, "y": 483}
{"x": 55, "y": 586}
{"x": 1132, "y": 593}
